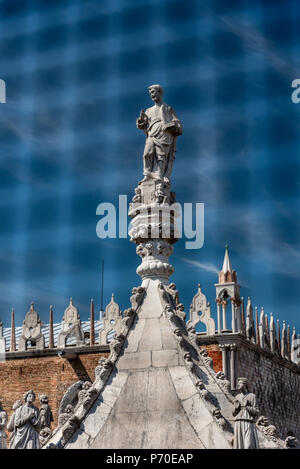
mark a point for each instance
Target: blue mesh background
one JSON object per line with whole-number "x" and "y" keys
{"x": 76, "y": 74}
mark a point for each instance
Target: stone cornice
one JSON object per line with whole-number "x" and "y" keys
{"x": 34, "y": 353}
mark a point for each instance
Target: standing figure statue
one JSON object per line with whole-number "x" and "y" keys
{"x": 162, "y": 126}
{"x": 46, "y": 416}
{"x": 3, "y": 422}
{"x": 245, "y": 411}
{"x": 26, "y": 421}
{"x": 11, "y": 423}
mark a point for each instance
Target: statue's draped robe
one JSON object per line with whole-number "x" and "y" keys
{"x": 3, "y": 419}
{"x": 160, "y": 144}
{"x": 245, "y": 434}
{"x": 25, "y": 435}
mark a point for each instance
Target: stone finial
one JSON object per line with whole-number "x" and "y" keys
{"x": 32, "y": 331}
{"x": 250, "y": 330}
{"x": 278, "y": 337}
{"x": 111, "y": 321}
{"x": 295, "y": 347}
{"x": 92, "y": 324}
{"x": 51, "y": 336}
{"x": 289, "y": 342}
{"x": 284, "y": 344}
{"x": 243, "y": 316}
{"x": 70, "y": 327}
{"x": 262, "y": 328}
{"x": 273, "y": 345}
{"x": 200, "y": 312}
{"x": 267, "y": 333}
{"x": 12, "y": 332}
{"x": 257, "y": 326}
{"x": 2, "y": 344}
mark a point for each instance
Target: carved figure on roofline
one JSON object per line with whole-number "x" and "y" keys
{"x": 46, "y": 416}
{"x": 245, "y": 412}
{"x": 161, "y": 125}
{"x": 3, "y": 422}
{"x": 26, "y": 421}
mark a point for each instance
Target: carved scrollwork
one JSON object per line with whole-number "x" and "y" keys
{"x": 223, "y": 382}
{"x": 264, "y": 426}
{"x": 137, "y": 297}
{"x": 103, "y": 368}
{"x": 206, "y": 358}
{"x": 87, "y": 395}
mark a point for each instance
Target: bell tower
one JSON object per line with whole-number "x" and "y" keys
{"x": 228, "y": 291}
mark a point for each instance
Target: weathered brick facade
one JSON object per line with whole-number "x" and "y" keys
{"x": 49, "y": 375}
{"x": 276, "y": 382}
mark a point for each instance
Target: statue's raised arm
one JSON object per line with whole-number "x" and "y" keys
{"x": 161, "y": 126}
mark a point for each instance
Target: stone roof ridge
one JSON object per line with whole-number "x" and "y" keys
{"x": 106, "y": 366}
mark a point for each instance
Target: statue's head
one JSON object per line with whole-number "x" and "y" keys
{"x": 156, "y": 92}
{"x": 29, "y": 396}
{"x": 242, "y": 384}
{"x": 86, "y": 385}
{"x": 44, "y": 399}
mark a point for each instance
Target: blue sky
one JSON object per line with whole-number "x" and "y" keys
{"x": 77, "y": 74}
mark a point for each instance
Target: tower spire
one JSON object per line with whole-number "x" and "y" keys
{"x": 227, "y": 274}
{"x": 226, "y": 263}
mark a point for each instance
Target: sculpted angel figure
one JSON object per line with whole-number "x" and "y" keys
{"x": 161, "y": 126}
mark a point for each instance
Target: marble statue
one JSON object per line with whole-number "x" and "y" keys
{"x": 26, "y": 420}
{"x": 3, "y": 422}
{"x": 11, "y": 423}
{"x": 245, "y": 411}
{"x": 161, "y": 126}
{"x": 46, "y": 416}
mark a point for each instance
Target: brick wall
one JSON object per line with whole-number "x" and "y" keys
{"x": 216, "y": 355}
{"x": 276, "y": 386}
{"x": 49, "y": 375}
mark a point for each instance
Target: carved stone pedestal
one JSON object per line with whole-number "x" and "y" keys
{"x": 153, "y": 229}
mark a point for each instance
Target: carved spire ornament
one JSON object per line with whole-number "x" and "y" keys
{"x": 153, "y": 227}
{"x": 92, "y": 324}
{"x": 51, "y": 335}
{"x": 12, "y": 332}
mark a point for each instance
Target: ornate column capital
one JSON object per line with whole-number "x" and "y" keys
{"x": 224, "y": 347}
{"x": 233, "y": 347}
